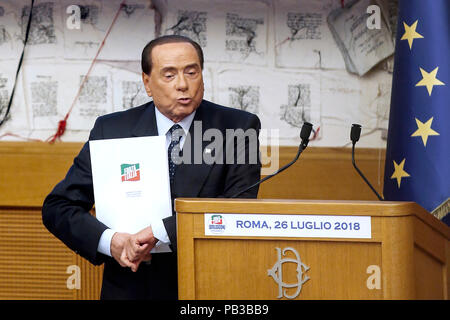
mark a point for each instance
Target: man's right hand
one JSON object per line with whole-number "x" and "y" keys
{"x": 137, "y": 248}
{"x": 118, "y": 241}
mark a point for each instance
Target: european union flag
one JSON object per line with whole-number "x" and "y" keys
{"x": 418, "y": 147}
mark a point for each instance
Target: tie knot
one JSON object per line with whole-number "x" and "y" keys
{"x": 176, "y": 132}
{"x": 176, "y": 126}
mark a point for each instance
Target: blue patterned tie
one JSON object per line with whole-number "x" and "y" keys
{"x": 173, "y": 151}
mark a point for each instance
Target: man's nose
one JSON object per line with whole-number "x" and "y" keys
{"x": 181, "y": 83}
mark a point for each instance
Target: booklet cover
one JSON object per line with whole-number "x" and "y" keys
{"x": 131, "y": 182}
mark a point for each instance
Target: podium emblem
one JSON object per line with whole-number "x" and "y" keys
{"x": 217, "y": 224}
{"x": 277, "y": 274}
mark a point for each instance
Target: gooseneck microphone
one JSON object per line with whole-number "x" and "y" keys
{"x": 304, "y": 136}
{"x": 354, "y": 136}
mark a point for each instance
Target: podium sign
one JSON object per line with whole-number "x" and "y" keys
{"x": 278, "y": 225}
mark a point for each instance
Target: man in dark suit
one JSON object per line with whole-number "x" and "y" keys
{"x": 172, "y": 74}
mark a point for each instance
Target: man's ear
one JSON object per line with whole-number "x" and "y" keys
{"x": 146, "y": 80}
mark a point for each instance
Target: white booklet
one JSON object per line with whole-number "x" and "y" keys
{"x": 131, "y": 183}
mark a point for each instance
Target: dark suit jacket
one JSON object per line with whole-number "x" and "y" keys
{"x": 66, "y": 209}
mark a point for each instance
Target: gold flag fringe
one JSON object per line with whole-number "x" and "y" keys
{"x": 443, "y": 209}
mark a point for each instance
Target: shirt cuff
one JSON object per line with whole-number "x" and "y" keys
{"x": 104, "y": 245}
{"x": 159, "y": 231}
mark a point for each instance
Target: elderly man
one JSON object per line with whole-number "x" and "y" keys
{"x": 172, "y": 74}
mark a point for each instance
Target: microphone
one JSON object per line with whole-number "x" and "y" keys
{"x": 304, "y": 135}
{"x": 354, "y": 136}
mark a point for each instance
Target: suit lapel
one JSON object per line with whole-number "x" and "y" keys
{"x": 190, "y": 177}
{"x": 146, "y": 125}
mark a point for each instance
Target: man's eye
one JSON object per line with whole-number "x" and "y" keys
{"x": 168, "y": 76}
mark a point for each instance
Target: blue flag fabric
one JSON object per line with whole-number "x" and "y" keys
{"x": 418, "y": 146}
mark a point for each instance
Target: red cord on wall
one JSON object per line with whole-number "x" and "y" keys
{"x": 62, "y": 124}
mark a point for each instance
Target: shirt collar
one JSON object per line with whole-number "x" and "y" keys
{"x": 164, "y": 124}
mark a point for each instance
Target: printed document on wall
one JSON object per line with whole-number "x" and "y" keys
{"x": 131, "y": 183}
{"x": 227, "y": 31}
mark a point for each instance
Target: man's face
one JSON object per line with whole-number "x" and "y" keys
{"x": 175, "y": 81}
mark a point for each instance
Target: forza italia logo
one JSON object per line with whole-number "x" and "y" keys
{"x": 217, "y": 224}
{"x": 130, "y": 172}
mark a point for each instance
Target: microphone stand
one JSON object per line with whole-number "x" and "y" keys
{"x": 304, "y": 134}
{"x": 354, "y": 135}
{"x": 300, "y": 150}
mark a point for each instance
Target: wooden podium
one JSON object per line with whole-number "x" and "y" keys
{"x": 406, "y": 255}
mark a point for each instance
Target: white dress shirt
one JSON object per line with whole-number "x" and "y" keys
{"x": 163, "y": 124}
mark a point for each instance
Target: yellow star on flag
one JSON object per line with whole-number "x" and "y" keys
{"x": 410, "y": 33}
{"x": 399, "y": 173}
{"x": 429, "y": 80}
{"x": 424, "y": 130}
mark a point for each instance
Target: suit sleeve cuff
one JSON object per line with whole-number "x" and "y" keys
{"x": 104, "y": 245}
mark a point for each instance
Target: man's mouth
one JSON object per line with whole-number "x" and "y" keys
{"x": 184, "y": 100}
